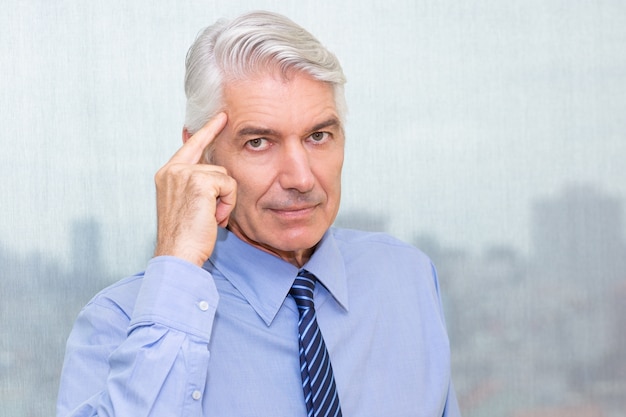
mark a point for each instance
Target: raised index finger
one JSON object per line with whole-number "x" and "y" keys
{"x": 192, "y": 149}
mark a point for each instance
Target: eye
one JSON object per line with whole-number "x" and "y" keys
{"x": 319, "y": 136}
{"x": 257, "y": 143}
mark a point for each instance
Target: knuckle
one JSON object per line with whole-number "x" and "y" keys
{"x": 159, "y": 175}
{"x": 163, "y": 173}
{"x": 221, "y": 169}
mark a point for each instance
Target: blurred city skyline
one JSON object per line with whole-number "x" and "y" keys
{"x": 354, "y": 217}
{"x": 529, "y": 332}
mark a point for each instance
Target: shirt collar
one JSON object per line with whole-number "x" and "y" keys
{"x": 328, "y": 265}
{"x": 265, "y": 280}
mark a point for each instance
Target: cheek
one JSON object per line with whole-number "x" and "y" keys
{"x": 250, "y": 187}
{"x": 332, "y": 175}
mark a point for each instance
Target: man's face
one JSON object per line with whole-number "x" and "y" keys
{"x": 283, "y": 144}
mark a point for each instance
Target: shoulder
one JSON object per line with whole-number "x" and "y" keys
{"x": 381, "y": 246}
{"x": 370, "y": 255}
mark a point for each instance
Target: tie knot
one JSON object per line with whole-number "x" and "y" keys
{"x": 302, "y": 289}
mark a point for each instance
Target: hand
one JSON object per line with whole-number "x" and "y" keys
{"x": 193, "y": 199}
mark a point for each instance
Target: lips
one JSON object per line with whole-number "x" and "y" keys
{"x": 293, "y": 210}
{"x": 294, "y": 204}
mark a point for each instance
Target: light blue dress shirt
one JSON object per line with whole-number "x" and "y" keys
{"x": 222, "y": 340}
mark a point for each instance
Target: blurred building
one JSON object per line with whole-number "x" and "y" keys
{"x": 543, "y": 335}
{"x": 578, "y": 235}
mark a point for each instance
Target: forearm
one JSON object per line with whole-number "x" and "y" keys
{"x": 150, "y": 361}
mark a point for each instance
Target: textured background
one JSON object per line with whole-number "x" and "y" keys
{"x": 489, "y": 133}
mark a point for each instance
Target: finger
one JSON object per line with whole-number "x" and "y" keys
{"x": 192, "y": 149}
{"x": 226, "y": 201}
{"x": 177, "y": 174}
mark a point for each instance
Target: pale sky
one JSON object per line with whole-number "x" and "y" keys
{"x": 460, "y": 113}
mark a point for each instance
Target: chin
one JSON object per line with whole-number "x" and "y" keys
{"x": 294, "y": 241}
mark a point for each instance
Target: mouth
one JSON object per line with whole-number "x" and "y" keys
{"x": 295, "y": 211}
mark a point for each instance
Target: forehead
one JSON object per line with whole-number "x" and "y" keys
{"x": 274, "y": 101}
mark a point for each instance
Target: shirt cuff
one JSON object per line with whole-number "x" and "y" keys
{"x": 177, "y": 294}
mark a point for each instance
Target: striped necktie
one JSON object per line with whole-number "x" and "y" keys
{"x": 318, "y": 382}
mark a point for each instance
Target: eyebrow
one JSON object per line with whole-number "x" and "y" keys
{"x": 332, "y": 122}
{"x": 259, "y": 131}
{"x": 256, "y": 131}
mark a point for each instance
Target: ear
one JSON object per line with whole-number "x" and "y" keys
{"x": 186, "y": 135}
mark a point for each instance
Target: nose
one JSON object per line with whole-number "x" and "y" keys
{"x": 295, "y": 168}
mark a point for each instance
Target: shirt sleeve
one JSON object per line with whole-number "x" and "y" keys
{"x": 150, "y": 361}
{"x": 452, "y": 405}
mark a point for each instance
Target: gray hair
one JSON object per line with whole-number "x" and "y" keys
{"x": 247, "y": 46}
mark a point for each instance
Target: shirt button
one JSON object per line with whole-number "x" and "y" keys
{"x": 203, "y": 305}
{"x": 196, "y": 395}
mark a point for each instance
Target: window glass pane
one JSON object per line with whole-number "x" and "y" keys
{"x": 490, "y": 134}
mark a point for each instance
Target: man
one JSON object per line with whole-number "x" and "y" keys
{"x": 253, "y": 305}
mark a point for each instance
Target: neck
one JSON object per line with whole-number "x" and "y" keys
{"x": 295, "y": 257}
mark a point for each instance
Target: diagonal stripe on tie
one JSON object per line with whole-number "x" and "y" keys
{"x": 318, "y": 382}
